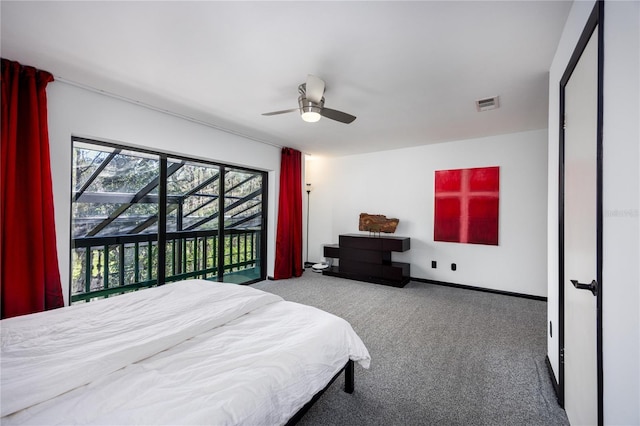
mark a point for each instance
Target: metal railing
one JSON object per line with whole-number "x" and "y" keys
{"x": 105, "y": 266}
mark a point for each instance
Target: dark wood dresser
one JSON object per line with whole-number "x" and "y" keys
{"x": 368, "y": 258}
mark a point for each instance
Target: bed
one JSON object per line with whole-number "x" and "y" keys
{"x": 190, "y": 352}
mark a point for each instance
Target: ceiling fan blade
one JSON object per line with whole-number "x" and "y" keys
{"x": 315, "y": 88}
{"x": 281, "y": 112}
{"x": 340, "y": 116}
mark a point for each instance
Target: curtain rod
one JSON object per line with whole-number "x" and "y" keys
{"x": 164, "y": 111}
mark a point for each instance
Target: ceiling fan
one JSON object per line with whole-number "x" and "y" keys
{"x": 311, "y": 103}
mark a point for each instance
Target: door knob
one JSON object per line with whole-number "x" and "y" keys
{"x": 593, "y": 286}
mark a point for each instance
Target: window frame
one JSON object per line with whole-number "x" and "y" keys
{"x": 160, "y": 237}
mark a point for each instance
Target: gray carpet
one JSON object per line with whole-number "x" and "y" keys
{"x": 440, "y": 355}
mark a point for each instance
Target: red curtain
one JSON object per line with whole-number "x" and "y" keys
{"x": 289, "y": 233}
{"x": 30, "y": 278}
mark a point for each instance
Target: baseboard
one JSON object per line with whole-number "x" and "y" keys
{"x": 554, "y": 382}
{"x": 486, "y": 290}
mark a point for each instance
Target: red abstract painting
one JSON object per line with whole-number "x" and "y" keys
{"x": 466, "y": 205}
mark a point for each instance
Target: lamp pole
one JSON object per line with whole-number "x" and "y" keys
{"x": 308, "y": 264}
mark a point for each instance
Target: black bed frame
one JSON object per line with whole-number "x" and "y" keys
{"x": 348, "y": 388}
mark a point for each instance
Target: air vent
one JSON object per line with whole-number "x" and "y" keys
{"x": 487, "y": 103}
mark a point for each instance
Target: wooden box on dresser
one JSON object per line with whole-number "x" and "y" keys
{"x": 368, "y": 258}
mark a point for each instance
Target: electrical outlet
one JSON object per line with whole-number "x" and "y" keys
{"x": 434, "y": 264}
{"x": 453, "y": 267}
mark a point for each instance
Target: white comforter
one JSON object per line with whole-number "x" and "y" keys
{"x": 192, "y": 352}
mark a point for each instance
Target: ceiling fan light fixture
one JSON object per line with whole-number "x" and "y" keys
{"x": 310, "y": 116}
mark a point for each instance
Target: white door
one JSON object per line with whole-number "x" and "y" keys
{"x": 580, "y": 239}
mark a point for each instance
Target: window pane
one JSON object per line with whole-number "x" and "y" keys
{"x": 243, "y": 225}
{"x": 112, "y": 199}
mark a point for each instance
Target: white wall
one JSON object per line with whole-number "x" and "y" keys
{"x": 621, "y": 192}
{"x": 621, "y": 247}
{"x": 400, "y": 184}
{"x": 80, "y": 112}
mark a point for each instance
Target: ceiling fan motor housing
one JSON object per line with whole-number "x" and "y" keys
{"x": 308, "y": 106}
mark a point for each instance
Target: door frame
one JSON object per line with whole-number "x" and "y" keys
{"x": 595, "y": 21}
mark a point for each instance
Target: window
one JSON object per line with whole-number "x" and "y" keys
{"x": 141, "y": 219}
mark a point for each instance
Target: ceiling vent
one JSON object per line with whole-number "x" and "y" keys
{"x": 487, "y": 103}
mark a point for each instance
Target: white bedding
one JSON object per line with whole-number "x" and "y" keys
{"x": 192, "y": 352}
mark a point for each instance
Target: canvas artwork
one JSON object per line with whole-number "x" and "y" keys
{"x": 466, "y": 205}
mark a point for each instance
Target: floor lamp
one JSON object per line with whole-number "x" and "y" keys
{"x": 308, "y": 264}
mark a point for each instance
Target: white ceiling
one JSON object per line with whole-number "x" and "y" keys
{"x": 410, "y": 71}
